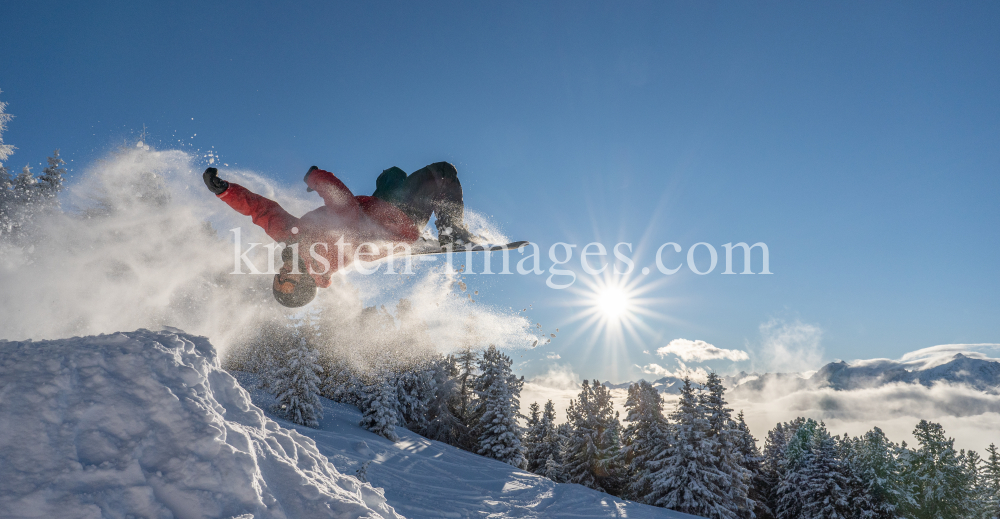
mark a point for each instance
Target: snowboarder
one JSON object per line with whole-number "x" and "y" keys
{"x": 328, "y": 236}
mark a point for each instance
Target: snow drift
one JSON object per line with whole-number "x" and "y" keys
{"x": 146, "y": 424}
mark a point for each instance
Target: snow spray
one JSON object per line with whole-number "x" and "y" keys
{"x": 140, "y": 243}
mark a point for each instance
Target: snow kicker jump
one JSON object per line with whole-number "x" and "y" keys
{"x": 396, "y": 212}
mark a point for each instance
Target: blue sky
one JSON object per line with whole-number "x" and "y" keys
{"x": 859, "y": 140}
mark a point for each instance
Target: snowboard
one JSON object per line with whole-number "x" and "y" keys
{"x": 432, "y": 248}
{"x": 477, "y": 248}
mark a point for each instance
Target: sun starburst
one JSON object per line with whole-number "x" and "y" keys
{"x": 613, "y": 310}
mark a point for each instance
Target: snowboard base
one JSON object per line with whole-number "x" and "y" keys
{"x": 477, "y": 248}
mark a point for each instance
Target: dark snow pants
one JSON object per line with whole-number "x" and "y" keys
{"x": 432, "y": 189}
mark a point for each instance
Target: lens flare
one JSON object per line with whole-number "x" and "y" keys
{"x": 613, "y": 302}
{"x": 614, "y": 314}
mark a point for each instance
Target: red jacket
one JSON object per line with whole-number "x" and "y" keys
{"x": 356, "y": 219}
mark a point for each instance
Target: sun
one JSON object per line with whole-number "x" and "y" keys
{"x": 613, "y": 309}
{"x": 618, "y": 310}
{"x": 612, "y": 301}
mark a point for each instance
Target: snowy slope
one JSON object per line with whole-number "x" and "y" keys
{"x": 425, "y": 478}
{"x": 146, "y": 424}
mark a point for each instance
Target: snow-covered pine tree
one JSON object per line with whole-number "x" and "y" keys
{"x": 257, "y": 349}
{"x": 20, "y": 197}
{"x": 751, "y": 460}
{"x": 616, "y": 478}
{"x": 534, "y": 416}
{"x": 991, "y": 482}
{"x": 773, "y": 466}
{"x": 25, "y": 187}
{"x": 23, "y": 197}
{"x": 6, "y": 182}
{"x": 591, "y": 450}
{"x": 296, "y": 384}
{"x": 341, "y": 383}
{"x": 646, "y": 440}
{"x": 51, "y": 181}
{"x": 722, "y": 432}
{"x": 466, "y": 405}
{"x": 554, "y": 470}
{"x": 581, "y": 447}
{"x": 533, "y": 437}
{"x": 555, "y": 464}
{"x": 499, "y": 391}
{"x": 8, "y": 207}
{"x": 414, "y": 389}
{"x": 847, "y": 452}
{"x": 549, "y": 441}
{"x": 794, "y": 476}
{"x": 689, "y": 481}
{"x": 936, "y": 476}
{"x": 5, "y": 149}
{"x": 380, "y": 405}
{"x": 825, "y": 494}
{"x": 973, "y": 468}
{"x": 442, "y": 424}
{"x": 875, "y": 474}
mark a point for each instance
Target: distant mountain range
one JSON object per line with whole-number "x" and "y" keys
{"x": 982, "y": 374}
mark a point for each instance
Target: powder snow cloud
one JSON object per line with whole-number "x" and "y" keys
{"x": 788, "y": 347}
{"x": 140, "y": 244}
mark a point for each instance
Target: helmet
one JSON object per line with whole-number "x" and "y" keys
{"x": 303, "y": 292}
{"x": 303, "y": 286}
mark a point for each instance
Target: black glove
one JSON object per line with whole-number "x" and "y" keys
{"x": 214, "y": 183}
{"x": 309, "y": 189}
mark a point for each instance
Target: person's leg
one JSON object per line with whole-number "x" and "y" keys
{"x": 434, "y": 189}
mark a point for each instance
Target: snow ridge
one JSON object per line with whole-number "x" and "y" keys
{"x": 147, "y": 424}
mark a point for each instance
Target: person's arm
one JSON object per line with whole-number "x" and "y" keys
{"x": 267, "y": 214}
{"x": 334, "y": 193}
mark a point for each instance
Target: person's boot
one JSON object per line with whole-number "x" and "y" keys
{"x": 457, "y": 237}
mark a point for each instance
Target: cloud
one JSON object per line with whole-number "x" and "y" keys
{"x": 695, "y": 374}
{"x": 699, "y": 351}
{"x": 927, "y": 358}
{"x": 971, "y": 417}
{"x": 656, "y": 369}
{"x": 788, "y": 347}
{"x": 553, "y": 356}
{"x": 559, "y": 376}
{"x": 560, "y": 384}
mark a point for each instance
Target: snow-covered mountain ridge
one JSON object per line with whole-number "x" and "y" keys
{"x": 971, "y": 369}
{"x": 978, "y": 373}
